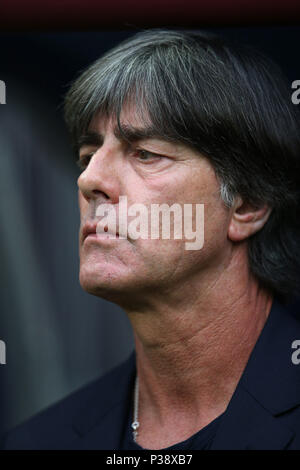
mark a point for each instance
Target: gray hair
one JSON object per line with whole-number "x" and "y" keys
{"x": 228, "y": 102}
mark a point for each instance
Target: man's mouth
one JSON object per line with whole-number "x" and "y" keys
{"x": 94, "y": 229}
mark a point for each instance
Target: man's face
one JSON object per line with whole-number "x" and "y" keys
{"x": 147, "y": 171}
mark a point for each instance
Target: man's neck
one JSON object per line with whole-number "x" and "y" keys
{"x": 191, "y": 357}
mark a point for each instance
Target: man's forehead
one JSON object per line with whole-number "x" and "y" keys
{"x": 128, "y": 117}
{"x": 122, "y": 131}
{"x": 131, "y": 128}
{"x": 150, "y": 139}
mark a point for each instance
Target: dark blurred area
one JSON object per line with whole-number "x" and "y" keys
{"x": 58, "y": 337}
{"x": 75, "y": 15}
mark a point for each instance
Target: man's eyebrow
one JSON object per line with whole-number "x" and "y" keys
{"x": 132, "y": 134}
{"x": 90, "y": 138}
{"x": 125, "y": 132}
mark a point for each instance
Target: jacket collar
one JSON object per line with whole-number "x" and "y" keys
{"x": 99, "y": 422}
{"x": 269, "y": 386}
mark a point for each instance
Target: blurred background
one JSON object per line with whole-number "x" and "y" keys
{"x": 57, "y": 337}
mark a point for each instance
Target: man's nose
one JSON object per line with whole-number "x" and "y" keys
{"x": 101, "y": 177}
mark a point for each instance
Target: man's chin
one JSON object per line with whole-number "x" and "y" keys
{"x": 108, "y": 287}
{"x": 121, "y": 297}
{"x": 94, "y": 285}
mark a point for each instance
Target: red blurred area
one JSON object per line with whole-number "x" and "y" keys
{"x": 70, "y": 14}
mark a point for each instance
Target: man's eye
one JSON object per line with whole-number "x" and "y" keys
{"x": 147, "y": 157}
{"x": 83, "y": 161}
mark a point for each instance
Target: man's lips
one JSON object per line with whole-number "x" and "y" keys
{"x": 91, "y": 229}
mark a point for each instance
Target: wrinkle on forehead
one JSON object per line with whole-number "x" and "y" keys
{"x": 131, "y": 128}
{"x": 129, "y": 116}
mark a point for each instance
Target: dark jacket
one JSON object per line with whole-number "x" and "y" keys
{"x": 263, "y": 413}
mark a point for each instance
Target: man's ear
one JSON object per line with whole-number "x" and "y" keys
{"x": 246, "y": 220}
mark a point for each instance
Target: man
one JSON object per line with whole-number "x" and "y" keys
{"x": 186, "y": 119}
